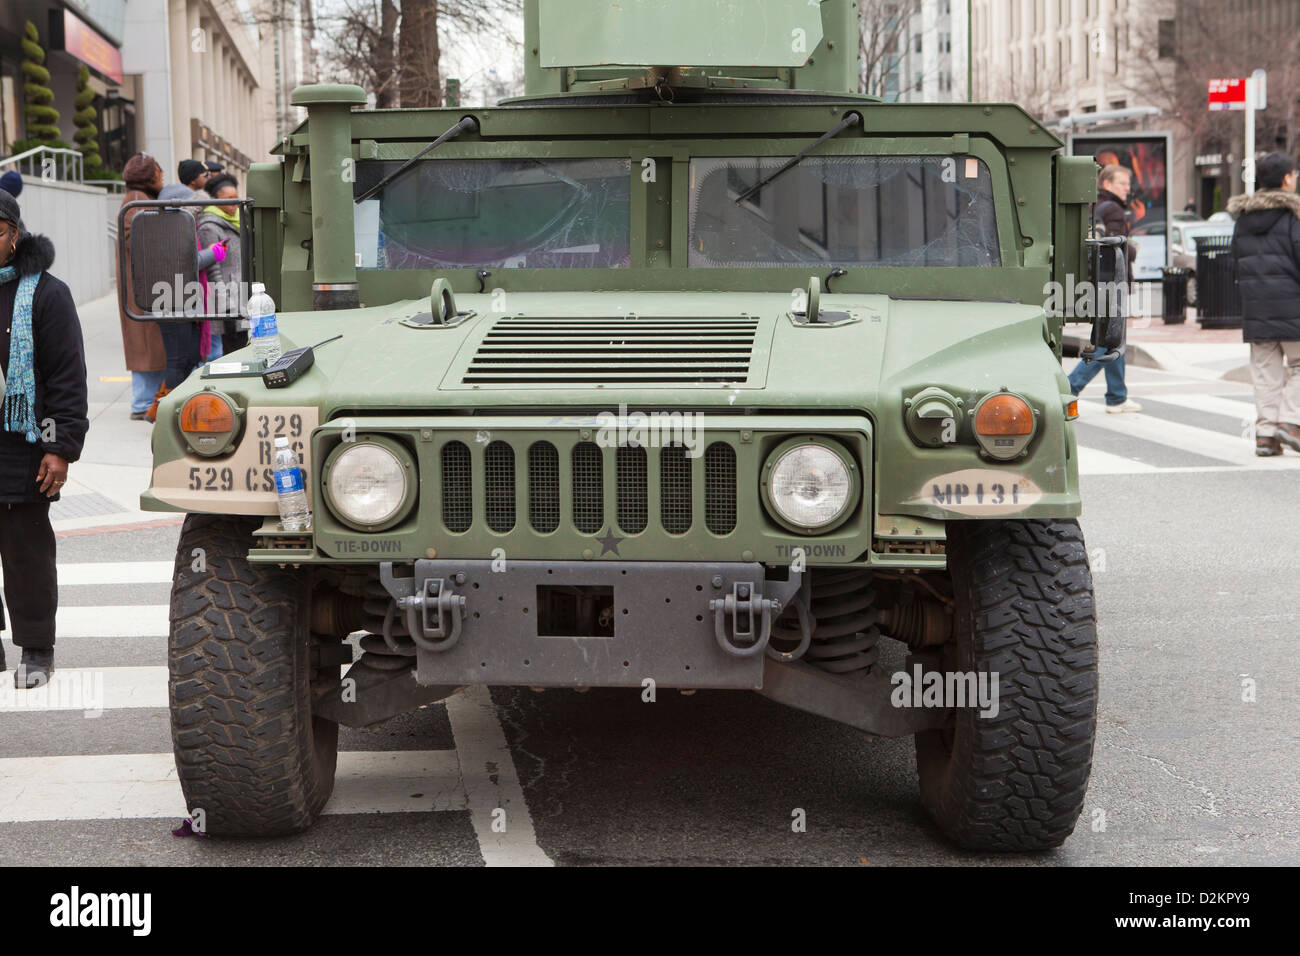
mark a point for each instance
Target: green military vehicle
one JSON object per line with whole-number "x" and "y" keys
{"x": 716, "y": 375}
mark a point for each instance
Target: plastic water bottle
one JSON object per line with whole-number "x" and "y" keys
{"x": 261, "y": 317}
{"x": 294, "y": 513}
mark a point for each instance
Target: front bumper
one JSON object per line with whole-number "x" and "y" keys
{"x": 677, "y": 624}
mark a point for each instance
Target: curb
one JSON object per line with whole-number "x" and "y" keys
{"x": 1145, "y": 355}
{"x": 1135, "y": 353}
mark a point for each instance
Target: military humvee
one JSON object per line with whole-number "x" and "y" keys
{"x": 691, "y": 368}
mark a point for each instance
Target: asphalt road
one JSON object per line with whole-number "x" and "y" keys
{"x": 1195, "y": 571}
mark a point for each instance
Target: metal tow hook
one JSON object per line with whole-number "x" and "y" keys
{"x": 434, "y": 614}
{"x": 742, "y": 606}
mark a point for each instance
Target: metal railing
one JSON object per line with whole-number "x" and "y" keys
{"x": 108, "y": 185}
{"x": 42, "y": 161}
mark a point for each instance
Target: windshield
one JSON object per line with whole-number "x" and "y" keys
{"x": 489, "y": 213}
{"x": 843, "y": 211}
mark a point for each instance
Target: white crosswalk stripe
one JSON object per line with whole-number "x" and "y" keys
{"x": 116, "y": 572}
{"x": 134, "y": 786}
{"x": 91, "y": 690}
{"x": 1176, "y": 432}
{"x": 112, "y": 620}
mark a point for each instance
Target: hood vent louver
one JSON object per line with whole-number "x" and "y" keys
{"x": 616, "y": 350}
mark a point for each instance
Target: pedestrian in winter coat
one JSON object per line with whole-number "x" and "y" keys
{"x": 1266, "y": 245}
{"x": 141, "y": 341}
{"x": 219, "y": 223}
{"x": 1112, "y": 214}
{"x": 42, "y": 428}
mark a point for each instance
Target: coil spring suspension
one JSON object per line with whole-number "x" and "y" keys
{"x": 843, "y": 613}
{"x": 388, "y": 646}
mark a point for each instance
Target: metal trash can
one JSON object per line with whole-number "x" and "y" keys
{"x": 1173, "y": 294}
{"x": 1218, "y": 300}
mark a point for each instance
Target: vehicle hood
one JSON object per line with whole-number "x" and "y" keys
{"x": 383, "y": 363}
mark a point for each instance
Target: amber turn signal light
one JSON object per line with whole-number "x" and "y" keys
{"x": 206, "y": 412}
{"x": 1072, "y": 410}
{"x": 1004, "y": 415}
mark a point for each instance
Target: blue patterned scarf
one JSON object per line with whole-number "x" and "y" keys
{"x": 20, "y": 387}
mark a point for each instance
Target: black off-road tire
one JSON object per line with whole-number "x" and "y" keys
{"x": 1024, "y": 610}
{"x": 249, "y": 754}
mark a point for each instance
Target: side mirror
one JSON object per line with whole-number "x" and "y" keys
{"x": 161, "y": 265}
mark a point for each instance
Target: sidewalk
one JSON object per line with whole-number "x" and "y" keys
{"x": 1186, "y": 349}
{"x": 104, "y": 487}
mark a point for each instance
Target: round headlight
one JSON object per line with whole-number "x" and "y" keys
{"x": 810, "y": 486}
{"x": 369, "y": 486}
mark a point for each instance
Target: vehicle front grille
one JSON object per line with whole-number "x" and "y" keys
{"x": 565, "y": 482}
{"x": 628, "y": 349}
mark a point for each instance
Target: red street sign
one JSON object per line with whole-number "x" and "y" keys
{"x": 1228, "y": 94}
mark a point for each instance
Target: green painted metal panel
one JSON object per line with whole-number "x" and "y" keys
{"x": 776, "y": 33}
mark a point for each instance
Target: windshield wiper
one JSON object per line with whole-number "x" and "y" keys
{"x": 468, "y": 124}
{"x": 853, "y": 119}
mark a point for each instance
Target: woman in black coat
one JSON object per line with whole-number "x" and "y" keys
{"x": 42, "y": 428}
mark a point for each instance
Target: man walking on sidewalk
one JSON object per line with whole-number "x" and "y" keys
{"x": 1266, "y": 245}
{"x": 1112, "y": 212}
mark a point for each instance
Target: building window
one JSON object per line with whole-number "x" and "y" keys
{"x": 917, "y": 85}
{"x": 916, "y": 44}
{"x": 1119, "y": 104}
{"x": 1165, "y": 40}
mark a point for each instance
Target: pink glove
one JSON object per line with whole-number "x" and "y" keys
{"x": 219, "y": 252}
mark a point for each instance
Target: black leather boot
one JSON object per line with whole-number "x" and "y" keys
{"x": 2, "y": 659}
{"x": 35, "y": 668}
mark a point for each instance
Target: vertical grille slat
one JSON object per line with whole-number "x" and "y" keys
{"x": 633, "y": 502}
{"x": 588, "y": 488}
{"x": 499, "y": 486}
{"x": 457, "y": 502}
{"x": 543, "y": 487}
{"x": 720, "y": 488}
{"x": 675, "y": 489}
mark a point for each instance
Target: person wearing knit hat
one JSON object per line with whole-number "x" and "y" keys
{"x": 12, "y": 183}
{"x": 43, "y": 423}
{"x": 192, "y": 173}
